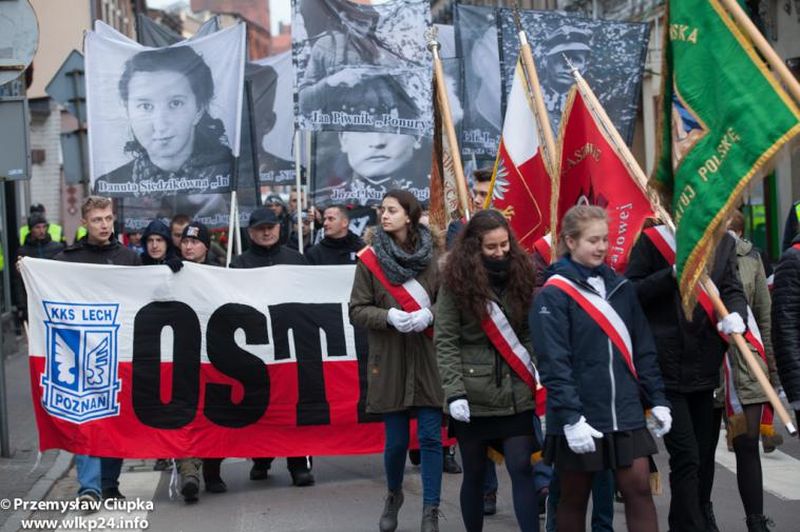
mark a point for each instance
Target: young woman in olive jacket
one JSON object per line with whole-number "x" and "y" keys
{"x": 489, "y": 404}
{"x": 402, "y": 373}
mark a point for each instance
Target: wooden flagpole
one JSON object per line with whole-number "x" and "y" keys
{"x": 641, "y": 181}
{"x": 779, "y": 68}
{"x": 447, "y": 122}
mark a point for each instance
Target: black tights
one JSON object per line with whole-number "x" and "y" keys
{"x": 748, "y": 462}
{"x": 634, "y": 484}
{"x": 517, "y": 451}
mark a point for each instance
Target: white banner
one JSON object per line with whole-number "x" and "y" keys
{"x": 163, "y": 121}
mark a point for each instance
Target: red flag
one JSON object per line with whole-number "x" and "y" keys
{"x": 593, "y": 171}
{"x": 521, "y": 186}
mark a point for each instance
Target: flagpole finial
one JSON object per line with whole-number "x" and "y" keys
{"x": 517, "y": 18}
{"x": 572, "y": 68}
{"x": 431, "y": 35}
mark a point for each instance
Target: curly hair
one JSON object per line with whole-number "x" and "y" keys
{"x": 468, "y": 279}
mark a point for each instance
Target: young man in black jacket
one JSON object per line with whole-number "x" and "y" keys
{"x": 38, "y": 244}
{"x": 266, "y": 249}
{"x": 690, "y": 355}
{"x": 100, "y": 246}
{"x": 340, "y": 245}
{"x": 786, "y": 322}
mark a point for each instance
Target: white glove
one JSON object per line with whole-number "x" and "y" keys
{"x": 580, "y": 436}
{"x": 400, "y": 319}
{"x": 659, "y": 421}
{"x": 421, "y": 319}
{"x": 459, "y": 410}
{"x": 732, "y": 323}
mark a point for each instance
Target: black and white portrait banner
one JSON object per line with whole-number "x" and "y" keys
{"x": 609, "y": 54}
{"x": 362, "y": 67}
{"x": 164, "y": 121}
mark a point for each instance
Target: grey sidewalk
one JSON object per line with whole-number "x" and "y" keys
{"x": 17, "y": 473}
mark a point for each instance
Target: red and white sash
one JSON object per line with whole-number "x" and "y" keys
{"x": 664, "y": 241}
{"x": 410, "y": 295}
{"x": 602, "y": 313}
{"x": 505, "y": 340}
{"x": 544, "y": 246}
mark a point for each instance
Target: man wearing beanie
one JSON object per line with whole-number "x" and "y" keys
{"x": 195, "y": 241}
{"x": 264, "y": 230}
{"x": 38, "y": 244}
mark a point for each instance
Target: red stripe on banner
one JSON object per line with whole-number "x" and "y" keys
{"x": 274, "y": 434}
{"x": 599, "y": 318}
{"x": 400, "y": 294}
{"x": 496, "y": 337}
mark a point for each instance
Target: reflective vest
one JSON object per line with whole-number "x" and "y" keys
{"x": 55, "y": 231}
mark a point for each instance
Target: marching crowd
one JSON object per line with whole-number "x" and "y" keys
{"x": 475, "y": 327}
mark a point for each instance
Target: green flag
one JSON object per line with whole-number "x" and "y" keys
{"x": 723, "y": 117}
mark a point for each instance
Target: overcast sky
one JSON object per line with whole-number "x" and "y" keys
{"x": 280, "y": 10}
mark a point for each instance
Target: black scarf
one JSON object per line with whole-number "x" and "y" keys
{"x": 498, "y": 272}
{"x": 399, "y": 265}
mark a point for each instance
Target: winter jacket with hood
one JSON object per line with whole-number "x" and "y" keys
{"x": 689, "y": 352}
{"x": 754, "y": 282}
{"x": 786, "y": 321}
{"x": 583, "y": 371}
{"x": 331, "y": 251}
{"x": 159, "y": 228}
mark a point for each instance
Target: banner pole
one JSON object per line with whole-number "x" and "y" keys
{"x": 641, "y": 181}
{"x": 248, "y": 87}
{"x": 741, "y": 344}
{"x": 779, "y": 68}
{"x": 447, "y": 124}
{"x": 298, "y": 183}
{"x": 231, "y": 229}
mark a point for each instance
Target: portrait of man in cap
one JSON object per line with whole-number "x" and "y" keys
{"x": 568, "y": 44}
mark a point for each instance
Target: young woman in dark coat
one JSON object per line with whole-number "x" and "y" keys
{"x": 596, "y": 399}
{"x": 489, "y": 404}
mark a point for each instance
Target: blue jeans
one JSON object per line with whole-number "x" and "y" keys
{"x": 602, "y": 502}
{"x": 88, "y": 472}
{"x": 429, "y": 432}
{"x": 111, "y": 469}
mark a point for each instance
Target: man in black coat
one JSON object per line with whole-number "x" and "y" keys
{"x": 690, "y": 355}
{"x": 266, "y": 249}
{"x": 38, "y": 244}
{"x": 786, "y": 322}
{"x": 340, "y": 245}
{"x": 99, "y": 246}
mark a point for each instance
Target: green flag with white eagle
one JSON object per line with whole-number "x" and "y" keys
{"x": 723, "y": 117}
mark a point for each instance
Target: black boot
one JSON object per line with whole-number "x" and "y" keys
{"x": 430, "y": 518}
{"x": 758, "y": 523}
{"x": 711, "y": 521}
{"x": 449, "y": 464}
{"x": 394, "y": 500}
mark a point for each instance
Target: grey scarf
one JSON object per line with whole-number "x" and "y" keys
{"x": 399, "y": 265}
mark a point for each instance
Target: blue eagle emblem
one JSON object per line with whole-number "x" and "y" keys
{"x": 80, "y": 380}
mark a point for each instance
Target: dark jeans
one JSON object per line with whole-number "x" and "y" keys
{"x": 429, "y": 433}
{"x": 602, "y": 502}
{"x": 707, "y": 473}
{"x": 293, "y": 463}
{"x": 110, "y": 469}
{"x": 689, "y": 444}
